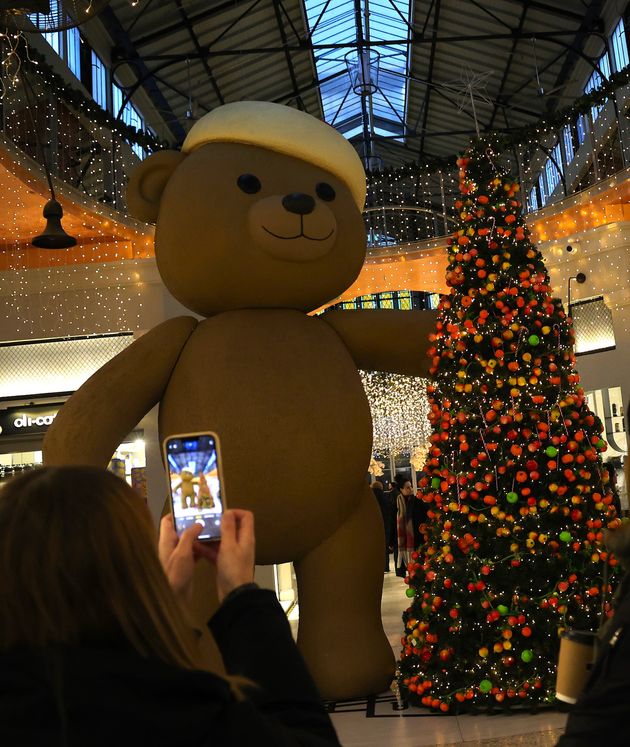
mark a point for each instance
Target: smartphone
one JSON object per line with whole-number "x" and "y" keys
{"x": 195, "y": 482}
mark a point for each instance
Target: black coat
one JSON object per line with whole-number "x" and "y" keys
{"x": 109, "y": 696}
{"x": 602, "y": 714}
{"x": 386, "y": 503}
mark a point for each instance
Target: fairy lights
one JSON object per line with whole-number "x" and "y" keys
{"x": 400, "y": 411}
{"x": 517, "y": 493}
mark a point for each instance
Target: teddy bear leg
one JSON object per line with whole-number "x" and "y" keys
{"x": 340, "y": 584}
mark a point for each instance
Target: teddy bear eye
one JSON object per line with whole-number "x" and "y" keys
{"x": 325, "y": 192}
{"x": 249, "y": 184}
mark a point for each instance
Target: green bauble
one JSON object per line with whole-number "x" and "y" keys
{"x": 502, "y": 609}
{"x": 533, "y": 340}
{"x": 411, "y": 593}
{"x": 551, "y": 451}
{"x": 565, "y": 536}
{"x": 485, "y": 686}
{"x": 527, "y": 655}
{"x": 435, "y": 482}
{"x": 512, "y": 497}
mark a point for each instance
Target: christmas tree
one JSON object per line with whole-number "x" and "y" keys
{"x": 517, "y": 493}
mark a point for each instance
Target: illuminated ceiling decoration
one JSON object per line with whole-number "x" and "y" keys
{"x": 400, "y": 411}
{"x": 103, "y": 234}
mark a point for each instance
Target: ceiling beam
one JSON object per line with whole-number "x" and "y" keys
{"x": 306, "y": 46}
{"x": 124, "y": 48}
{"x": 166, "y": 31}
{"x": 427, "y": 98}
{"x": 560, "y": 10}
{"x": 592, "y": 19}
{"x": 506, "y": 70}
{"x": 287, "y": 55}
{"x": 195, "y": 40}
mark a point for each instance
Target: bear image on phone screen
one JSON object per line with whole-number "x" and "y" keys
{"x": 195, "y": 484}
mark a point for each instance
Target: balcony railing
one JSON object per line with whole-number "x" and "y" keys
{"x": 86, "y": 156}
{"x": 395, "y": 225}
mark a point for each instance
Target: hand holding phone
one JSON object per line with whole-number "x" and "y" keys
{"x": 235, "y": 561}
{"x": 234, "y": 557}
{"x": 195, "y": 483}
{"x": 177, "y": 556}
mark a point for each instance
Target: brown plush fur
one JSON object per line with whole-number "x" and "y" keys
{"x": 279, "y": 387}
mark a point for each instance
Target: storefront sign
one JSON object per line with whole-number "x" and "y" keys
{"x": 26, "y": 421}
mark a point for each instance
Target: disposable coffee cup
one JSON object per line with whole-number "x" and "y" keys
{"x": 577, "y": 652}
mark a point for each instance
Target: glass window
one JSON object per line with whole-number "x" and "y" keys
{"x": 54, "y": 38}
{"x": 533, "y": 199}
{"x": 433, "y": 301}
{"x": 117, "y": 99}
{"x": 73, "y": 51}
{"x": 557, "y": 154}
{"x": 619, "y": 47}
{"x": 595, "y": 81}
{"x": 567, "y": 140}
{"x": 552, "y": 176}
{"x": 386, "y": 300}
{"x": 99, "y": 81}
{"x": 581, "y": 129}
{"x": 383, "y": 71}
{"x": 542, "y": 189}
{"x": 404, "y": 300}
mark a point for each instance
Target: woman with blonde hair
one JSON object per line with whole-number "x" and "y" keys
{"x": 95, "y": 648}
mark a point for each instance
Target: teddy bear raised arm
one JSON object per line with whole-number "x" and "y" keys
{"x": 258, "y": 223}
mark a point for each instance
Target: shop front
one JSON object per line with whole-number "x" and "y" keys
{"x": 22, "y": 430}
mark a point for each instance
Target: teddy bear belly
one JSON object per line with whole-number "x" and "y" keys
{"x": 283, "y": 395}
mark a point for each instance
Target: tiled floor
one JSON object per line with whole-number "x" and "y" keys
{"x": 376, "y": 723}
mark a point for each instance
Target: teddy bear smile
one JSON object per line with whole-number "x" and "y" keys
{"x": 300, "y": 235}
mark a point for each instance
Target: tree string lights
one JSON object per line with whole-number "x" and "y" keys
{"x": 517, "y": 493}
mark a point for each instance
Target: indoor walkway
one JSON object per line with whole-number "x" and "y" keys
{"x": 377, "y": 723}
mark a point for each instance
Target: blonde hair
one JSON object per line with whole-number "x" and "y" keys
{"x": 78, "y": 563}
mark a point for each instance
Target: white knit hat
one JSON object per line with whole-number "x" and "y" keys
{"x": 283, "y": 130}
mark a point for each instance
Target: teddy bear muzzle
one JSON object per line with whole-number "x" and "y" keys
{"x": 293, "y": 227}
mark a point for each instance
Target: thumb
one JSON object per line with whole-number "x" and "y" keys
{"x": 187, "y": 541}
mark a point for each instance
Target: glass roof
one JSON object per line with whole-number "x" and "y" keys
{"x": 334, "y": 22}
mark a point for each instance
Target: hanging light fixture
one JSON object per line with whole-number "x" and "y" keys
{"x": 363, "y": 67}
{"x": 53, "y": 236}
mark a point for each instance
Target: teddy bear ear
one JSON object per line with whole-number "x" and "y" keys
{"x": 148, "y": 181}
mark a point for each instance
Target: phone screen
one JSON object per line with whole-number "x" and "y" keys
{"x": 194, "y": 478}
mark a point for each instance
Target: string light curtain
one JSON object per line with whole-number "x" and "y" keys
{"x": 400, "y": 411}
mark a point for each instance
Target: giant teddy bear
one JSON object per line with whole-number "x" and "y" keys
{"x": 258, "y": 222}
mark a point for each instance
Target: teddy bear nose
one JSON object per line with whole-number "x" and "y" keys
{"x": 298, "y": 203}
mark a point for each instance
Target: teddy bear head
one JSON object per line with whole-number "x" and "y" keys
{"x": 260, "y": 209}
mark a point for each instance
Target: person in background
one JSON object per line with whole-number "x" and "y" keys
{"x": 95, "y": 646}
{"x": 385, "y": 505}
{"x": 600, "y": 716}
{"x": 614, "y": 469}
{"x": 404, "y": 527}
{"x": 392, "y": 494}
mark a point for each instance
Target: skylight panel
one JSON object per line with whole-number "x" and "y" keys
{"x": 334, "y": 22}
